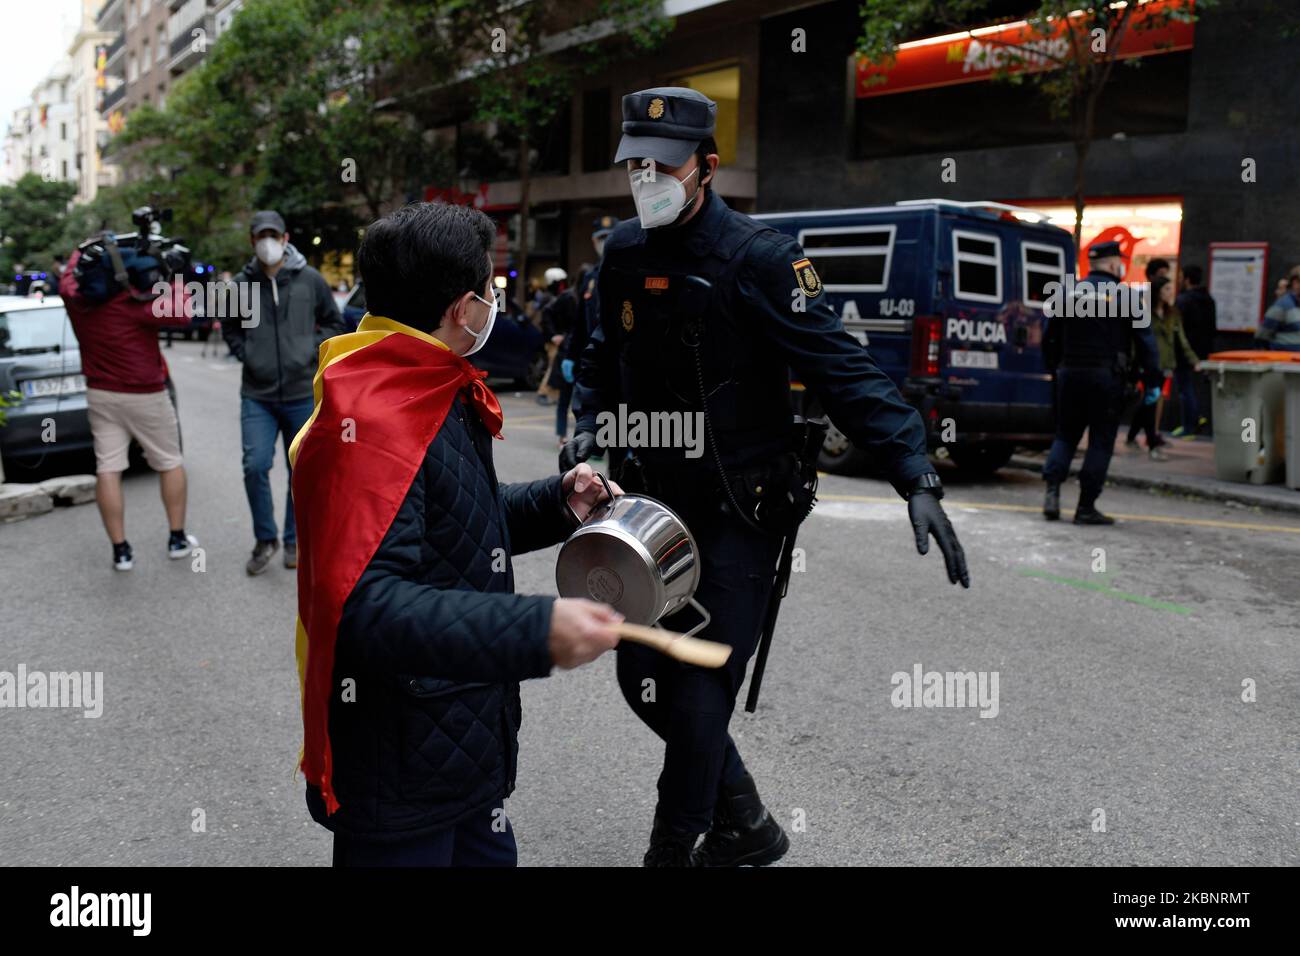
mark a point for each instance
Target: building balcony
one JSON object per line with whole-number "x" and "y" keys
{"x": 115, "y": 63}
{"x": 111, "y": 15}
{"x": 112, "y": 99}
{"x": 183, "y": 54}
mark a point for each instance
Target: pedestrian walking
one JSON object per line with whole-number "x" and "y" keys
{"x": 293, "y": 313}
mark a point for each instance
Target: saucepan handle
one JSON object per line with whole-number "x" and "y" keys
{"x": 608, "y": 491}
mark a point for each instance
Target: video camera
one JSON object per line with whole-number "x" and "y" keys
{"x": 135, "y": 261}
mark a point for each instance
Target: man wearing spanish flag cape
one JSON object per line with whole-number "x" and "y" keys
{"x": 411, "y": 641}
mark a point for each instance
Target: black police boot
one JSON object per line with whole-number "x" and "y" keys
{"x": 669, "y": 846}
{"x": 1088, "y": 514}
{"x": 743, "y": 832}
{"x": 1052, "y": 503}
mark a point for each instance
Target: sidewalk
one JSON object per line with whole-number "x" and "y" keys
{"x": 1189, "y": 471}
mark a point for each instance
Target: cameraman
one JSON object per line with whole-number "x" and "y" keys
{"x": 127, "y": 397}
{"x": 278, "y": 344}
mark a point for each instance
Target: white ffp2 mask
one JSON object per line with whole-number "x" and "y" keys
{"x": 660, "y": 202}
{"x": 270, "y": 251}
{"x": 481, "y": 337}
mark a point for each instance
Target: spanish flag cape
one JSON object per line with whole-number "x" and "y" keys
{"x": 381, "y": 394}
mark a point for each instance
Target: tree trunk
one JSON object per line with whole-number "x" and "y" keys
{"x": 521, "y": 265}
{"x": 1080, "y": 158}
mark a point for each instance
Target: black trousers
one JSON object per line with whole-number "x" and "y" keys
{"x": 1091, "y": 400}
{"x": 689, "y": 707}
{"x": 485, "y": 839}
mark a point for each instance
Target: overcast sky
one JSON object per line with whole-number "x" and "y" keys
{"x": 33, "y": 37}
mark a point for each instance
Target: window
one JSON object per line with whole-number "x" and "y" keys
{"x": 1040, "y": 265}
{"x": 144, "y": 7}
{"x": 977, "y": 266}
{"x": 596, "y": 151}
{"x": 146, "y": 61}
{"x": 130, "y": 13}
{"x": 132, "y": 68}
{"x": 723, "y": 87}
{"x": 851, "y": 258}
{"x": 65, "y": 170}
{"x": 160, "y": 44}
{"x": 63, "y": 132}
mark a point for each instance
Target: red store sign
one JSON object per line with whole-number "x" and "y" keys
{"x": 1019, "y": 47}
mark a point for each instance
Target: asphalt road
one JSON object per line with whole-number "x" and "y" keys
{"x": 1118, "y": 691}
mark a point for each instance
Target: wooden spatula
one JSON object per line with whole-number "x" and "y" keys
{"x": 691, "y": 650}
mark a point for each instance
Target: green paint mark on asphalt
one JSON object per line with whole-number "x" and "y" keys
{"x": 1102, "y": 588}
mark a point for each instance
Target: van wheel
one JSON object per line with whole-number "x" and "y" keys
{"x": 981, "y": 461}
{"x": 838, "y": 455}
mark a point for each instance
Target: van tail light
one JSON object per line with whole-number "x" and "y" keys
{"x": 925, "y": 346}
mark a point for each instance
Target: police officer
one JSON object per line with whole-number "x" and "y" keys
{"x": 1094, "y": 344}
{"x": 722, "y": 350}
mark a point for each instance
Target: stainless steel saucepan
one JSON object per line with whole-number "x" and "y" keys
{"x": 634, "y": 554}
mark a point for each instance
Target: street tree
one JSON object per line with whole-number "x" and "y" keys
{"x": 31, "y": 220}
{"x": 526, "y": 59}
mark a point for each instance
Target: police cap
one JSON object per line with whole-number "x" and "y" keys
{"x": 665, "y": 124}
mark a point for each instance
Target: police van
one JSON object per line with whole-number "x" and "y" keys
{"x": 948, "y": 297}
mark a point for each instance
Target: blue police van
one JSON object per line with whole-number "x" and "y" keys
{"x": 948, "y": 298}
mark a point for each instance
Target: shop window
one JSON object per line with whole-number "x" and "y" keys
{"x": 851, "y": 258}
{"x": 977, "y": 266}
{"x": 1040, "y": 265}
{"x": 723, "y": 87}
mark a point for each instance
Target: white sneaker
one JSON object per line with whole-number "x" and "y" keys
{"x": 181, "y": 547}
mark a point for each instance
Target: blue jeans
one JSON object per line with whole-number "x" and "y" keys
{"x": 1185, "y": 383}
{"x": 485, "y": 839}
{"x": 260, "y": 423}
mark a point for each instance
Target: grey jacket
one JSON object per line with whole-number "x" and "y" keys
{"x": 296, "y": 313}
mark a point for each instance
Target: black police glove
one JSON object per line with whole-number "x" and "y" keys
{"x": 577, "y": 449}
{"x": 928, "y": 518}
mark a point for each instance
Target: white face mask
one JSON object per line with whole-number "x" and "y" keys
{"x": 660, "y": 202}
{"x": 481, "y": 337}
{"x": 269, "y": 250}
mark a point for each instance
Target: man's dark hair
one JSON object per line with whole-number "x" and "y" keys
{"x": 1155, "y": 265}
{"x": 421, "y": 258}
{"x": 1193, "y": 274}
{"x": 705, "y": 146}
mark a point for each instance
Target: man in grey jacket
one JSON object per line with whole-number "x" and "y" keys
{"x": 278, "y": 345}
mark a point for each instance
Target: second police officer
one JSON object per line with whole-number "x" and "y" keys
{"x": 723, "y": 349}
{"x": 1096, "y": 347}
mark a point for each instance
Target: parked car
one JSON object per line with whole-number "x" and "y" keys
{"x": 949, "y": 298}
{"x": 40, "y": 360}
{"x": 514, "y": 351}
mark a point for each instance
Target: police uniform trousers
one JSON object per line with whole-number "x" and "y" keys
{"x": 1087, "y": 399}
{"x": 689, "y": 707}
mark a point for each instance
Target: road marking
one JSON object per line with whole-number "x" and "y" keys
{"x": 1029, "y": 509}
{"x": 1104, "y": 588}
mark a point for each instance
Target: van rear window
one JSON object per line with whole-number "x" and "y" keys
{"x": 1041, "y": 265}
{"x": 977, "y": 266}
{"x": 851, "y": 258}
